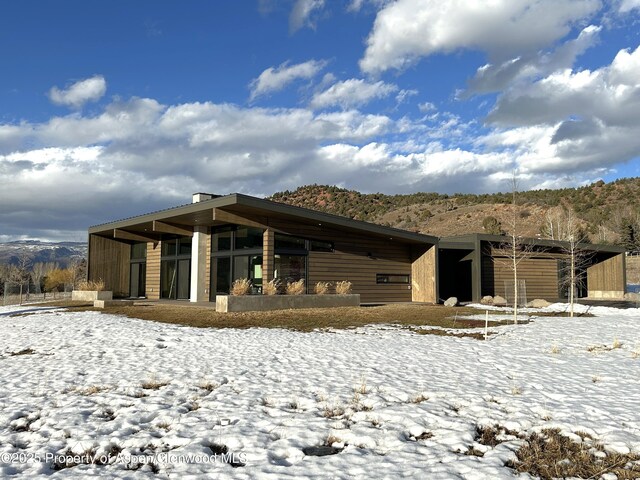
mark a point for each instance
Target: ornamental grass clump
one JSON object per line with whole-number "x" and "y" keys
{"x": 94, "y": 285}
{"x": 343, "y": 287}
{"x": 322, "y": 288}
{"x": 242, "y": 286}
{"x": 272, "y": 287}
{"x": 296, "y": 288}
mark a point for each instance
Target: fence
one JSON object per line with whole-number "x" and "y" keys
{"x": 17, "y": 294}
{"x": 509, "y": 292}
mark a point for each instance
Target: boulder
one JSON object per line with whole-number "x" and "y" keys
{"x": 499, "y": 301}
{"x": 538, "y": 303}
{"x": 487, "y": 300}
{"x": 451, "y": 302}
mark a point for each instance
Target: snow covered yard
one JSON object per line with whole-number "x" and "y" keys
{"x": 159, "y": 400}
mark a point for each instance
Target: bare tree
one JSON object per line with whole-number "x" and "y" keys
{"x": 21, "y": 272}
{"x": 516, "y": 249}
{"x": 578, "y": 257}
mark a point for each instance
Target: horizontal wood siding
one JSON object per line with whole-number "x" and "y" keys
{"x": 358, "y": 259}
{"x": 540, "y": 275}
{"x": 109, "y": 262}
{"x": 607, "y": 276}
{"x": 153, "y": 271}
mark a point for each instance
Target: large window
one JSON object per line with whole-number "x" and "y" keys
{"x": 290, "y": 268}
{"x": 236, "y": 252}
{"x": 175, "y": 268}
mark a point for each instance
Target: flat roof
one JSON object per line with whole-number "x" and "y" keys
{"x": 198, "y": 213}
{"x": 455, "y": 241}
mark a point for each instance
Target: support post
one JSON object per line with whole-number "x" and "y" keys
{"x": 199, "y": 265}
{"x": 267, "y": 256}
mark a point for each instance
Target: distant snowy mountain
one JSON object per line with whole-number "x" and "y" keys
{"x": 39, "y": 251}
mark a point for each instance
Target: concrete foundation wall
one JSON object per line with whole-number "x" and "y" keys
{"x": 91, "y": 295}
{"x": 249, "y": 303}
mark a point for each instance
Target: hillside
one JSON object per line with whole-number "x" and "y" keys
{"x": 608, "y": 212}
{"x": 40, "y": 251}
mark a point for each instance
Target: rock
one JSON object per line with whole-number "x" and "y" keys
{"x": 632, "y": 296}
{"x": 321, "y": 451}
{"x": 451, "y": 302}
{"x": 487, "y": 300}
{"x": 538, "y": 303}
{"x": 499, "y": 301}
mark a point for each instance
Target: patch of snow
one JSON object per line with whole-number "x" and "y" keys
{"x": 402, "y": 405}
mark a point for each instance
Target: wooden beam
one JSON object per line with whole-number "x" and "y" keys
{"x": 228, "y": 217}
{"x": 171, "y": 228}
{"x": 136, "y": 237}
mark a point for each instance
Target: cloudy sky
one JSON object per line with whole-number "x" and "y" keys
{"x": 114, "y": 108}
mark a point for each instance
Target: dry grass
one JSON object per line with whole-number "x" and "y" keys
{"x": 331, "y": 439}
{"x": 242, "y": 286}
{"x": 343, "y": 287}
{"x": 296, "y": 288}
{"x": 97, "y": 285}
{"x": 550, "y": 454}
{"x": 92, "y": 390}
{"x": 555, "y": 349}
{"x": 305, "y": 320}
{"x": 322, "y": 288}
{"x": 272, "y": 287}
{"x": 334, "y": 410}
{"x": 153, "y": 384}
{"x": 419, "y": 398}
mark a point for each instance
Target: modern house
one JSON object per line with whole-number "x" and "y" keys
{"x": 195, "y": 251}
{"x": 472, "y": 266}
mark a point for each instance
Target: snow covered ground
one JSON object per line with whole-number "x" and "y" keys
{"x": 245, "y": 403}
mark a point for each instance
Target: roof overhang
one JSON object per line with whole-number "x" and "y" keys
{"x": 246, "y": 210}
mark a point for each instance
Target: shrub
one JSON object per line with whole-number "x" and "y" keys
{"x": 343, "y": 287}
{"x": 57, "y": 278}
{"x": 97, "y": 285}
{"x": 272, "y": 287}
{"x": 322, "y": 288}
{"x": 296, "y": 288}
{"x": 242, "y": 286}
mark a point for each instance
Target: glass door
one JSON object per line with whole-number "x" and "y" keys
{"x": 137, "y": 280}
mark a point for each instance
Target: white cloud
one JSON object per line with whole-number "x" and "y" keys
{"x": 352, "y": 92}
{"x": 80, "y": 92}
{"x": 628, "y": 5}
{"x": 610, "y": 94}
{"x": 409, "y": 29}
{"x": 495, "y": 78}
{"x": 302, "y": 12}
{"x": 274, "y": 79}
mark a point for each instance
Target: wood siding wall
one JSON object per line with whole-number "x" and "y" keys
{"x": 350, "y": 261}
{"x": 540, "y": 275}
{"x": 423, "y": 276}
{"x": 153, "y": 271}
{"x": 607, "y": 278}
{"x": 267, "y": 256}
{"x": 207, "y": 268}
{"x": 109, "y": 261}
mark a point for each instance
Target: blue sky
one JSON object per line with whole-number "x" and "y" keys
{"x": 115, "y": 108}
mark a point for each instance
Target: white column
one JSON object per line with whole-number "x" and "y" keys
{"x": 199, "y": 265}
